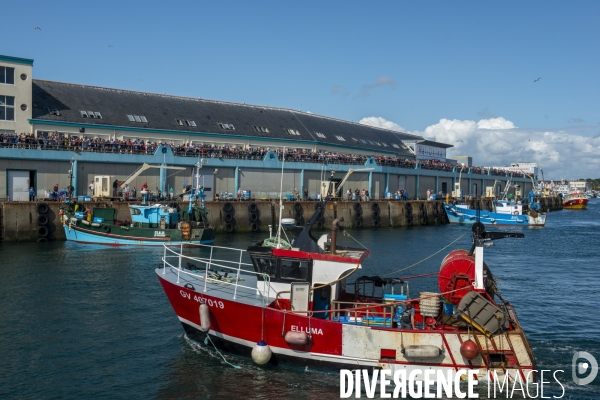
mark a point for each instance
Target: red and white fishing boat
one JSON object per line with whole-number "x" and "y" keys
{"x": 304, "y": 306}
{"x": 575, "y": 201}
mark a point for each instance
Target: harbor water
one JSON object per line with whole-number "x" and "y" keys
{"x": 82, "y": 321}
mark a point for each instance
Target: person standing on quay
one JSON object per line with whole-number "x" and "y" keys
{"x": 31, "y": 194}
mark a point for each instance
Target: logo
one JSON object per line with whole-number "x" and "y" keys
{"x": 582, "y": 367}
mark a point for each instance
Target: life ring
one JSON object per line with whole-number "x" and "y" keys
{"x": 106, "y": 228}
{"x": 42, "y": 208}
{"x": 229, "y": 227}
{"x": 228, "y": 207}
{"x": 515, "y": 212}
{"x": 253, "y": 207}
{"x": 42, "y": 231}
{"x": 42, "y": 219}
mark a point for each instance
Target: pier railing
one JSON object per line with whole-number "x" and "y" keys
{"x": 174, "y": 258}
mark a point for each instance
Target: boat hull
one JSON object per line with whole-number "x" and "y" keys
{"x": 576, "y": 204}
{"x": 467, "y": 216}
{"x": 117, "y": 236}
{"x": 236, "y": 327}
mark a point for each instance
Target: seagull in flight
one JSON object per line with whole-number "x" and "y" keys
{"x": 37, "y": 28}
{"x": 537, "y": 80}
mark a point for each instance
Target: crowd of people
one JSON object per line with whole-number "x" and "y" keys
{"x": 58, "y": 141}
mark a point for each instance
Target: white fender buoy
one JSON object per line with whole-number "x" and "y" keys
{"x": 422, "y": 351}
{"x": 204, "y": 318}
{"x": 261, "y": 353}
{"x": 296, "y": 338}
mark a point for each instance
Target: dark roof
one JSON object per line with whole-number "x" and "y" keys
{"x": 162, "y": 111}
{"x": 429, "y": 143}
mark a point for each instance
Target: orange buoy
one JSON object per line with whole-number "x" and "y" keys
{"x": 469, "y": 349}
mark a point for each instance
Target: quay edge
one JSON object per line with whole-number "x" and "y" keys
{"x": 19, "y": 220}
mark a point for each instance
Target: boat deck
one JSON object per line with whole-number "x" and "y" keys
{"x": 222, "y": 278}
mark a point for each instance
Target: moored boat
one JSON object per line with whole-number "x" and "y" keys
{"x": 506, "y": 213}
{"x": 149, "y": 225}
{"x": 301, "y": 304}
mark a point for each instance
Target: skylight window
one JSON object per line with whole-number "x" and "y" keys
{"x": 319, "y": 134}
{"x": 260, "y": 129}
{"x": 228, "y": 127}
{"x": 363, "y": 141}
{"x": 395, "y": 145}
{"x": 136, "y": 118}
{"x": 384, "y": 144}
{"x": 84, "y": 114}
{"x": 370, "y": 142}
{"x": 189, "y": 122}
{"x": 293, "y": 132}
{"x": 47, "y": 110}
{"x": 340, "y": 138}
{"x": 355, "y": 140}
{"x": 378, "y": 144}
{"x": 91, "y": 114}
{"x": 179, "y": 121}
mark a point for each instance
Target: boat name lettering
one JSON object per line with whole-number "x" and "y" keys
{"x": 200, "y": 299}
{"x": 159, "y": 233}
{"x": 311, "y": 331}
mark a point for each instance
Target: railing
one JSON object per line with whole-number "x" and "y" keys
{"x": 212, "y": 264}
{"x": 356, "y": 308}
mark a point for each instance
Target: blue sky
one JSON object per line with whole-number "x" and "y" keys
{"x": 462, "y": 72}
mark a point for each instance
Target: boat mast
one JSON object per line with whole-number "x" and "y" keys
{"x": 280, "y": 200}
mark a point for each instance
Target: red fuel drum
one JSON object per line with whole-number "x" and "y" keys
{"x": 457, "y": 272}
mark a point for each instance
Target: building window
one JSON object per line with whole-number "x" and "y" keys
{"x": 7, "y": 75}
{"x": 23, "y": 77}
{"x": 260, "y": 129}
{"x": 340, "y": 138}
{"x": 136, "y": 118}
{"x": 319, "y": 134}
{"x": 226, "y": 127}
{"x": 293, "y": 132}
{"x": 7, "y": 108}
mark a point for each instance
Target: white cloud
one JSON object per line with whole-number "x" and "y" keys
{"x": 380, "y": 122}
{"x": 497, "y": 142}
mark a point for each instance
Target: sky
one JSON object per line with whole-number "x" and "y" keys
{"x": 503, "y": 81}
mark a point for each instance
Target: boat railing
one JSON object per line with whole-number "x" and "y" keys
{"x": 174, "y": 258}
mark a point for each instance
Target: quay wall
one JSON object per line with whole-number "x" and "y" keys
{"x": 20, "y": 221}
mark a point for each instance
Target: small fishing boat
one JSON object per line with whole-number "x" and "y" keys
{"x": 305, "y": 303}
{"x": 575, "y": 201}
{"x": 149, "y": 225}
{"x": 506, "y": 213}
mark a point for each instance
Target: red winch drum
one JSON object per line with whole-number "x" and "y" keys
{"x": 456, "y": 272}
